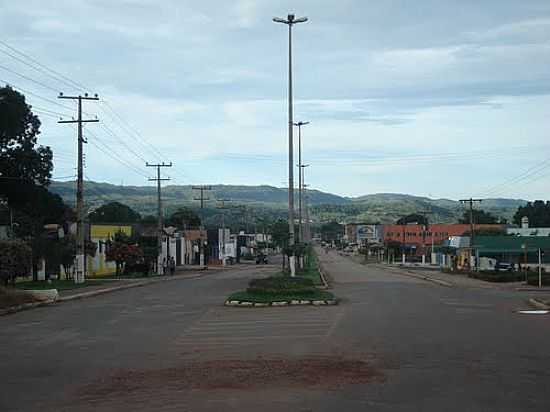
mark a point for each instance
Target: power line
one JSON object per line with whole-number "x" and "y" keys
{"x": 38, "y": 69}
{"x": 29, "y": 79}
{"x": 132, "y": 131}
{"x": 109, "y": 152}
{"x": 61, "y": 76}
{"x": 129, "y": 148}
{"x": 36, "y": 95}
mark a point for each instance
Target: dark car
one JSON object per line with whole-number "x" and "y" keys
{"x": 261, "y": 259}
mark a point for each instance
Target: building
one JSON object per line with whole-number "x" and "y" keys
{"x": 363, "y": 233}
{"x": 525, "y": 230}
{"x": 415, "y": 239}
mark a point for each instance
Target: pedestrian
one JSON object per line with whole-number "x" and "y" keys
{"x": 164, "y": 266}
{"x": 172, "y": 266}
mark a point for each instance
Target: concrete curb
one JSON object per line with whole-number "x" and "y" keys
{"x": 294, "y": 302}
{"x": 83, "y": 295}
{"x": 538, "y": 304}
{"x": 122, "y": 287}
{"x": 322, "y": 275}
{"x": 24, "y": 306}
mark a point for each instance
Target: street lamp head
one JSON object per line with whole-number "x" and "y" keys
{"x": 279, "y": 20}
{"x": 300, "y": 20}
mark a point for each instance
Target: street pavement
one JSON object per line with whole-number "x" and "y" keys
{"x": 395, "y": 343}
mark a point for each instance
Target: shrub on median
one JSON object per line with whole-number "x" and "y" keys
{"x": 278, "y": 284}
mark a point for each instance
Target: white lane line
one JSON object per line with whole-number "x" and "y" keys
{"x": 240, "y": 338}
{"x": 266, "y": 322}
{"x": 244, "y": 334}
{"x": 467, "y": 304}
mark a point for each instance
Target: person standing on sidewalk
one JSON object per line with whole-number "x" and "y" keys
{"x": 164, "y": 266}
{"x": 172, "y": 266}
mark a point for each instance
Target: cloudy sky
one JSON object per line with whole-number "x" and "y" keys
{"x": 433, "y": 97}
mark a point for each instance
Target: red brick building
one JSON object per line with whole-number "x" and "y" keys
{"x": 415, "y": 235}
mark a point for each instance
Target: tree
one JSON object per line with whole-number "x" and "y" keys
{"x": 123, "y": 251}
{"x": 280, "y": 233}
{"x": 20, "y": 157}
{"x": 538, "y": 213}
{"x": 184, "y": 218}
{"x": 114, "y": 212}
{"x": 413, "y": 218}
{"x": 149, "y": 219}
{"x": 15, "y": 260}
{"x": 332, "y": 232}
{"x": 480, "y": 217}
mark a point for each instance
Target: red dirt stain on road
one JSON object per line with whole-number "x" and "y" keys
{"x": 314, "y": 373}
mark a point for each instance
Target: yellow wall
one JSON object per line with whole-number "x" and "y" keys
{"x": 104, "y": 232}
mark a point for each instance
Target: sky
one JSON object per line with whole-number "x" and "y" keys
{"x": 434, "y": 98}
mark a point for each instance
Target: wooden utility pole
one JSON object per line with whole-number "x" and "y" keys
{"x": 472, "y": 227}
{"x": 158, "y": 179}
{"x": 202, "y": 199}
{"x": 424, "y": 213}
{"x": 471, "y": 201}
{"x": 223, "y": 207}
{"x": 80, "y": 275}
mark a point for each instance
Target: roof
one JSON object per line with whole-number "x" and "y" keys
{"x": 511, "y": 244}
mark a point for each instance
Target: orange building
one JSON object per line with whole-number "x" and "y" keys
{"x": 415, "y": 235}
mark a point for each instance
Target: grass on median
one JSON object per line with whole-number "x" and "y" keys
{"x": 55, "y": 284}
{"x": 311, "y": 270}
{"x": 281, "y": 288}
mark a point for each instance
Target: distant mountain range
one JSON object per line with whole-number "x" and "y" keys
{"x": 380, "y": 207}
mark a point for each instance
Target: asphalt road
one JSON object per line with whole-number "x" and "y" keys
{"x": 393, "y": 344}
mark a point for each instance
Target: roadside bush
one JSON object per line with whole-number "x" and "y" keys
{"x": 499, "y": 277}
{"x": 15, "y": 260}
{"x": 141, "y": 268}
{"x": 278, "y": 284}
{"x": 533, "y": 279}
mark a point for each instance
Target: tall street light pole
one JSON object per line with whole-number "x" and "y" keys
{"x": 300, "y": 180}
{"x": 290, "y": 21}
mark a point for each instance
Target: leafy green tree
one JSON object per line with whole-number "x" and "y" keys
{"x": 279, "y": 233}
{"x": 332, "y": 232}
{"x": 538, "y": 213}
{"x": 15, "y": 260}
{"x": 184, "y": 218}
{"x": 114, "y": 212}
{"x": 149, "y": 219}
{"x": 20, "y": 157}
{"x": 123, "y": 251}
{"x": 413, "y": 218}
{"x": 480, "y": 217}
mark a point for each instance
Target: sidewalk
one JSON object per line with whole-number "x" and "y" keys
{"x": 122, "y": 283}
{"x": 452, "y": 279}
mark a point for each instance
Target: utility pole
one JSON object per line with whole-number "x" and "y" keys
{"x": 472, "y": 227}
{"x": 80, "y": 275}
{"x": 424, "y": 213}
{"x": 300, "y": 180}
{"x": 202, "y": 199}
{"x": 222, "y": 207}
{"x": 158, "y": 179}
{"x": 290, "y": 21}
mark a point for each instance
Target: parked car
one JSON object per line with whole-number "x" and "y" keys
{"x": 504, "y": 267}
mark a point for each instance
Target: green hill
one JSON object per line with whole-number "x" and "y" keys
{"x": 271, "y": 202}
